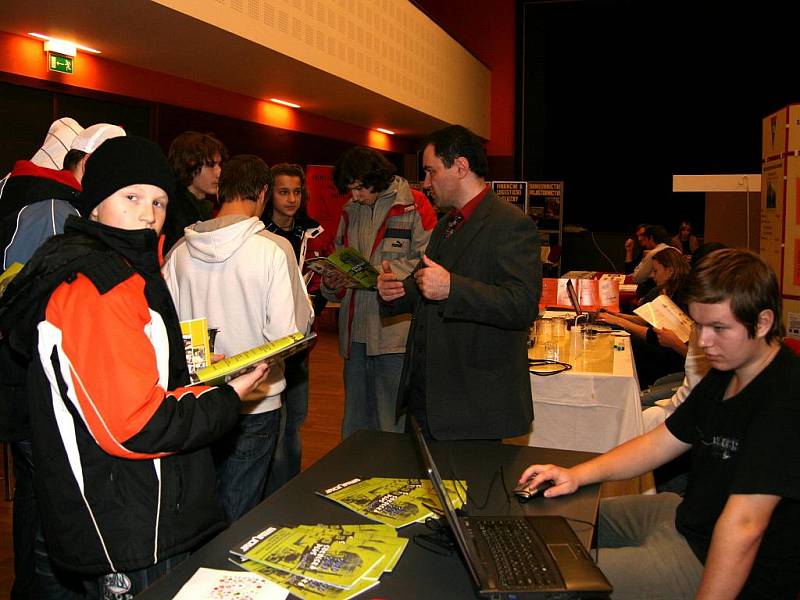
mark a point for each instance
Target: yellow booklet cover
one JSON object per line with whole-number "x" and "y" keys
{"x": 394, "y": 501}
{"x": 304, "y": 587}
{"x": 233, "y": 366}
{"x": 349, "y": 262}
{"x": 195, "y": 344}
{"x": 9, "y": 274}
{"x": 314, "y": 553}
{"x": 374, "y": 537}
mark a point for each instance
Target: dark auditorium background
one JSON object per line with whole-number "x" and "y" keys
{"x": 611, "y": 96}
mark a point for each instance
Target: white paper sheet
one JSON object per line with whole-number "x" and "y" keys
{"x": 217, "y": 584}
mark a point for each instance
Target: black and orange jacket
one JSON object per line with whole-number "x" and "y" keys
{"x": 124, "y": 477}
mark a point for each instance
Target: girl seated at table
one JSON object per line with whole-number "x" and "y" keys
{"x": 657, "y": 352}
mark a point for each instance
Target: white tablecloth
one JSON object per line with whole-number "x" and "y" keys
{"x": 586, "y": 409}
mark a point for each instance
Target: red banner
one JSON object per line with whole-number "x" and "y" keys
{"x": 324, "y": 201}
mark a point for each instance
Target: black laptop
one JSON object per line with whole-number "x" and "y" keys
{"x": 519, "y": 557}
{"x": 573, "y": 300}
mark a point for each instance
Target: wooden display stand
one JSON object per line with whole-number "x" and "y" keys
{"x": 733, "y": 213}
{"x": 780, "y": 206}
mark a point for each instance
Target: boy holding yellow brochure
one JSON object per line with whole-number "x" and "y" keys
{"x": 246, "y": 282}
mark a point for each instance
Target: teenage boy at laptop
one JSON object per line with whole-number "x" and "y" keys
{"x": 734, "y": 532}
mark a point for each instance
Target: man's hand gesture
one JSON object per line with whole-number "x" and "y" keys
{"x": 389, "y": 287}
{"x": 433, "y": 280}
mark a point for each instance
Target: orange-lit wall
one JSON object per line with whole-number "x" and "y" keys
{"x": 491, "y": 36}
{"x": 25, "y": 56}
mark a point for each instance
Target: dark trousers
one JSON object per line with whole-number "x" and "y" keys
{"x": 25, "y": 521}
{"x": 34, "y": 575}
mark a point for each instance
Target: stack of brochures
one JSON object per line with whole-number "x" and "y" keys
{"x": 322, "y": 561}
{"x": 395, "y": 502}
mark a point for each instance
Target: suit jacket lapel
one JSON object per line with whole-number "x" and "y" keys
{"x": 436, "y": 239}
{"x": 447, "y": 253}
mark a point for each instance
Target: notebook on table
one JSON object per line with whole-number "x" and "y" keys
{"x": 518, "y": 557}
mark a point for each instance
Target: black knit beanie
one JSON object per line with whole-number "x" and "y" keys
{"x": 118, "y": 163}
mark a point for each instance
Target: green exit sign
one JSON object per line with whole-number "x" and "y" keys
{"x": 57, "y": 62}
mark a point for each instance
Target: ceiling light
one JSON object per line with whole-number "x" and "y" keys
{"x": 386, "y": 131}
{"x": 62, "y": 46}
{"x": 284, "y": 102}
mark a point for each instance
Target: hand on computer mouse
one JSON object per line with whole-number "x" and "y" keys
{"x": 523, "y": 493}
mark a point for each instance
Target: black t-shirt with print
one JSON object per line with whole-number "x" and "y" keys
{"x": 747, "y": 444}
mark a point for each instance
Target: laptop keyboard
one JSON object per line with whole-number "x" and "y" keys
{"x": 520, "y": 557}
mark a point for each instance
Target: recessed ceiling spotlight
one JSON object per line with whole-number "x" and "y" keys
{"x": 284, "y": 102}
{"x": 56, "y": 42}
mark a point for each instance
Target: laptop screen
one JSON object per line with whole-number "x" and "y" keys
{"x": 444, "y": 499}
{"x": 583, "y": 574}
{"x": 573, "y": 297}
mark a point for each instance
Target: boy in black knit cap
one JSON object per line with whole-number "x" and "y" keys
{"x": 124, "y": 477}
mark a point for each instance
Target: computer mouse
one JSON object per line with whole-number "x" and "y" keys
{"x": 524, "y": 495}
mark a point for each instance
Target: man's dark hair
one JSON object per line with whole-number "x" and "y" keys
{"x": 657, "y": 233}
{"x": 243, "y": 176}
{"x": 290, "y": 170}
{"x": 454, "y": 141}
{"x": 743, "y": 278}
{"x": 366, "y": 165}
{"x": 190, "y": 151}
{"x": 72, "y": 158}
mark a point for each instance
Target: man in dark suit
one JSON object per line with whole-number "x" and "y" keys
{"x": 473, "y": 297}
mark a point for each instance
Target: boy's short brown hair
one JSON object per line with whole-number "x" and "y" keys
{"x": 743, "y": 278}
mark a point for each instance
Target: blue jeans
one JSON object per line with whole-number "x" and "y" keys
{"x": 288, "y": 452}
{"x": 243, "y": 458}
{"x": 662, "y": 388}
{"x": 370, "y": 391}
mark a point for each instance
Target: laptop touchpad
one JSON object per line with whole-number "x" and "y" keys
{"x": 562, "y": 552}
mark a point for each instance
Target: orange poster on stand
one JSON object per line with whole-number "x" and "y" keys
{"x": 593, "y": 294}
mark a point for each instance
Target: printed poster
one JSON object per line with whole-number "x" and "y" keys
{"x": 545, "y": 199}
{"x": 772, "y": 199}
{"x": 513, "y": 192}
{"x": 790, "y": 278}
